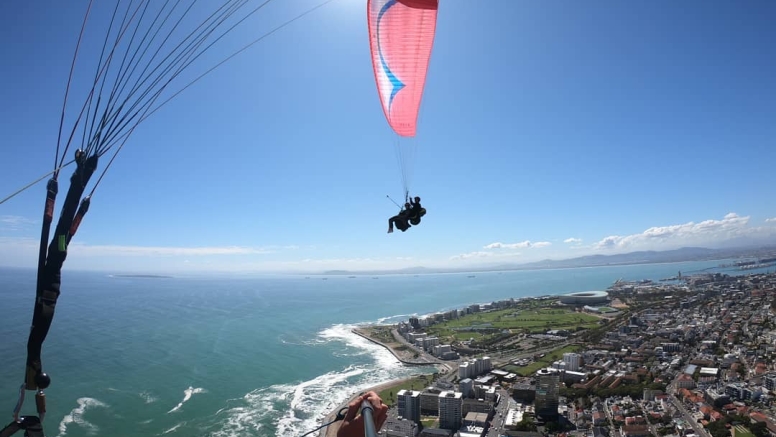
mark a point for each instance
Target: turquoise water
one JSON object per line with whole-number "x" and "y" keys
{"x": 216, "y": 357}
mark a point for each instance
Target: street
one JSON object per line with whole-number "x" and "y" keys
{"x": 497, "y": 423}
{"x": 607, "y": 409}
{"x": 698, "y": 428}
{"x": 700, "y": 431}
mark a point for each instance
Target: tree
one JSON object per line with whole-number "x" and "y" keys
{"x": 759, "y": 429}
{"x": 527, "y": 424}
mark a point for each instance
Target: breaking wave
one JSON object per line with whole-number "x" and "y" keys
{"x": 148, "y": 397}
{"x": 173, "y": 428}
{"x": 295, "y": 408}
{"x": 187, "y": 394}
{"x": 76, "y": 416}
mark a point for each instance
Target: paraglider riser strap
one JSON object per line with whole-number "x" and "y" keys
{"x": 29, "y": 424}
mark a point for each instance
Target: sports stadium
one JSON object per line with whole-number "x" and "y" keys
{"x": 585, "y": 298}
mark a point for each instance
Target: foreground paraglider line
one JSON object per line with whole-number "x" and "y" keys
{"x": 340, "y": 416}
{"x": 150, "y": 112}
{"x": 130, "y": 77}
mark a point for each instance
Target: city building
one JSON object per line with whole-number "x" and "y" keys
{"x": 429, "y": 401}
{"x": 466, "y": 386}
{"x": 585, "y": 298}
{"x": 409, "y": 405}
{"x": 450, "y": 410}
{"x": 572, "y": 361}
{"x": 475, "y": 367}
{"x": 547, "y": 393}
{"x": 399, "y": 428}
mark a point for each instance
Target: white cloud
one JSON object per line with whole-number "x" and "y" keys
{"x": 328, "y": 261}
{"x": 483, "y": 254}
{"x": 15, "y": 222}
{"x": 709, "y": 232}
{"x": 471, "y": 255}
{"x": 22, "y": 252}
{"x": 96, "y": 250}
{"x": 313, "y": 265}
{"x": 609, "y": 242}
{"x": 18, "y": 242}
{"x": 17, "y": 251}
{"x": 81, "y": 249}
{"x": 521, "y": 245}
{"x": 119, "y": 250}
{"x": 15, "y": 219}
{"x": 497, "y": 253}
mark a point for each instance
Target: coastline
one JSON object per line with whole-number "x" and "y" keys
{"x": 393, "y": 352}
{"x": 331, "y": 430}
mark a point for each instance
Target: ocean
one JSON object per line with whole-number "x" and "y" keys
{"x": 220, "y": 356}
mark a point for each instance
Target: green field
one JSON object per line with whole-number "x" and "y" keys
{"x": 379, "y": 333}
{"x": 467, "y": 335}
{"x": 607, "y": 309}
{"x": 741, "y": 431}
{"x": 418, "y": 383}
{"x": 430, "y": 422}
{"x": 542, "y": 362}
{"x": 516, "y": 320}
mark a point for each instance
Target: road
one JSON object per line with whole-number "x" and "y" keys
{"x": 700, "y": 431}
{"x": 497, "y": 423}
{"x": 423, "y": 356}
{"x": 504, "y": 358}
{"x": 698, "y": 428}
{"x": 615, "y": 431}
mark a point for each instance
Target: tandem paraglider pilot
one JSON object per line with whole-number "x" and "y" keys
{"x": 410, "y": 215}
{"x": 416, "y": 211}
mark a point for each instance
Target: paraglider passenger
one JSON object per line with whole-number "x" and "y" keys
{"x": 401, "y": 220}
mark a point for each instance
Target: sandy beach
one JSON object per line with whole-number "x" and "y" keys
{"x": 402, "y": 356}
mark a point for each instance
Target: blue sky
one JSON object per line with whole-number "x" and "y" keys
{"x": 547, "y": 129}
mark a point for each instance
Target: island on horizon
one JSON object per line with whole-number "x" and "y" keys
{"x": 146, "y": 276}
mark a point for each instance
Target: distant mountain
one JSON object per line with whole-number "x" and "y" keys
{"x": 641, "y": 257}
{"x": 646, "y": 257}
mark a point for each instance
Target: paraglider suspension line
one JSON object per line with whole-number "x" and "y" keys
{"x": 394, "y": 202}
{"x": 340, "y": 416}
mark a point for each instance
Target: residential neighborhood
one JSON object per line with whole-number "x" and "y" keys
{"x": 689, "y": 356}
